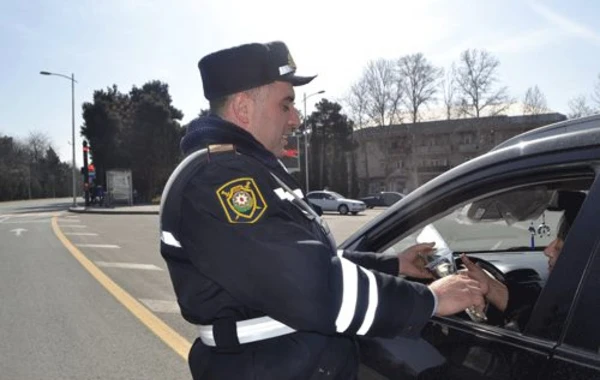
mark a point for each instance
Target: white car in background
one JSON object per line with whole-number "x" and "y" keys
{"x": 332, "y": 201}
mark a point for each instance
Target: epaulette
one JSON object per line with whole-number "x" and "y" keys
{"x": 220, "y": 149}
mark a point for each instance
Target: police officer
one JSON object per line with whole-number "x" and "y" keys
{"x": 253, "y": 265}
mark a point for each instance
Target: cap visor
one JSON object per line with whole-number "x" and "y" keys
{"x": 296, "y": 80}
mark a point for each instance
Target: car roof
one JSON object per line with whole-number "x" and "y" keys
{"x": 570, "y": 135}
{"x": 552, "y": 130}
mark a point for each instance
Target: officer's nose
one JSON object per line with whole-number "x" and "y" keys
{"x": 294, "y": 118}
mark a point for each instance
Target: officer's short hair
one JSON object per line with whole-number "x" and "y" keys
{"x": 217, "y": 106}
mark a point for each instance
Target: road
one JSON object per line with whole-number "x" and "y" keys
{"x": 87, "y": 296}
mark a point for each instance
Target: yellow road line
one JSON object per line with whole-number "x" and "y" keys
{"x": 178, "y": 343}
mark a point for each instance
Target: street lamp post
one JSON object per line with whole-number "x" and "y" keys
{"x": 73, "y": 81}
{"x": 306, "y": 138}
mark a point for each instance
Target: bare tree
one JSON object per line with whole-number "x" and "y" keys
{"x": 358, "y": 102}
{"x": 419, "y": 79}
{"x": 596, "y": 94}
{"x": 476, "y": 78}
{"x": 37, "y": 144}
{"x": 534, "y": 102}
{"x": 383, "y": 92}
{"x": 578, "y": 107}
{"x": 449, "y": 90}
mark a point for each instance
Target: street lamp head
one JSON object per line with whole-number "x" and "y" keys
{"x": 45, "y": 73}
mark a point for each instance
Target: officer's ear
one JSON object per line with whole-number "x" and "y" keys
{"x": 241, "y": 107}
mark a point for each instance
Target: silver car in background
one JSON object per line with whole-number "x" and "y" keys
{"x": 332, "y": 201}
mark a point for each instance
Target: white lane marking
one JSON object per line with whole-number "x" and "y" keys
{"x": 111, "y": 246}
{"x": 496, "y": 246}
{"x": 18, "y": 231}
{"x": 81, "y": 233}
{"x": 29, "y": 215}
{"x": 160, "y": 306}
{"x": 127, "y": 265}
{"x": 73, "y": 225}
{"x": 3, "y": 218}
{"x": 28, "y": 221}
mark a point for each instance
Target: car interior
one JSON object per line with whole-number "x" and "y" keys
{"x": 503, "y": 231}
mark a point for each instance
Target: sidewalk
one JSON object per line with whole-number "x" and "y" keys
{"x": 118, "y": 210}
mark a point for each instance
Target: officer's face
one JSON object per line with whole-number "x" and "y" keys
{"x": 274, "y": 117}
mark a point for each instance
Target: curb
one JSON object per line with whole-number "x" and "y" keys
{"x": 112, "y": 212}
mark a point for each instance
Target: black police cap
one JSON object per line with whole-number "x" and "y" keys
{"x": 244, "y": 67}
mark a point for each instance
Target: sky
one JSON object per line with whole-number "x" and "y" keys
{"x": 552, "y": 44}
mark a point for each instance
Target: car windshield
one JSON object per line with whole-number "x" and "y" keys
{"x": 517, "y": 220}
{"x": 462, "y": 236}
{"x": 335, "y": 195}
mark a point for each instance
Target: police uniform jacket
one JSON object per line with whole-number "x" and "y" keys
{"x": 241, "y": 248}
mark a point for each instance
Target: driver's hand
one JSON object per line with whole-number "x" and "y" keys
{"x": 411, "y": 262}
{"x": 475, "y": 272}
{"x": 494, "y": 290}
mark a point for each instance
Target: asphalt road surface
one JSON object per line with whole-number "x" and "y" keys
{"x": 87, "y": 296}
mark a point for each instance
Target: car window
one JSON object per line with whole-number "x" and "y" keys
{"x": 463, "y": 235}
{"x": 508, "y": 231}
{"x": 315, "y": 196}
{"x": 333, "y": 195}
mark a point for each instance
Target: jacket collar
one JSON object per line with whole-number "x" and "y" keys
{"x": 212, "y": 129}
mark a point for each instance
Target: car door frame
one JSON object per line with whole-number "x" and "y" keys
{"x": 566, "y": 357}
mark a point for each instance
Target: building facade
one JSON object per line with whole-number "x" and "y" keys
{"x": 403, "y": 157}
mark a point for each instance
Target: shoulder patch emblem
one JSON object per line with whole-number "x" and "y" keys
{"x": 241, "y": 200}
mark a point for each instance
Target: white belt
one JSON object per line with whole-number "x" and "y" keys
{"x": 250, "y": 330}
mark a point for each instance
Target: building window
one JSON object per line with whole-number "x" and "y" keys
{"x": 467, "y": 138}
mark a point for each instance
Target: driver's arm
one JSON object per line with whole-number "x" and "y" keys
{"x": 494, "y": 291}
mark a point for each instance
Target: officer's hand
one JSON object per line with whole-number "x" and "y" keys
{"x": 412, "y": 263}
{"x": 455, "y": 293}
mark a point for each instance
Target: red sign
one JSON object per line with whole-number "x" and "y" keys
{"x": 290, "y": 153}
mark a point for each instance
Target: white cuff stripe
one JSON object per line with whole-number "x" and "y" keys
{"x": 340, "y": 252}
{"x": 373, "y": 303}
{"x": 169, "y": 239}
{"x": 349, "y": 295}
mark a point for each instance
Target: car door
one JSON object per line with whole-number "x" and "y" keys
{"x": 577, "y": 355}
{"x": 316, "y": 198}
{"x": 472, "y": 350}
{"x": 330, "y": 202}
